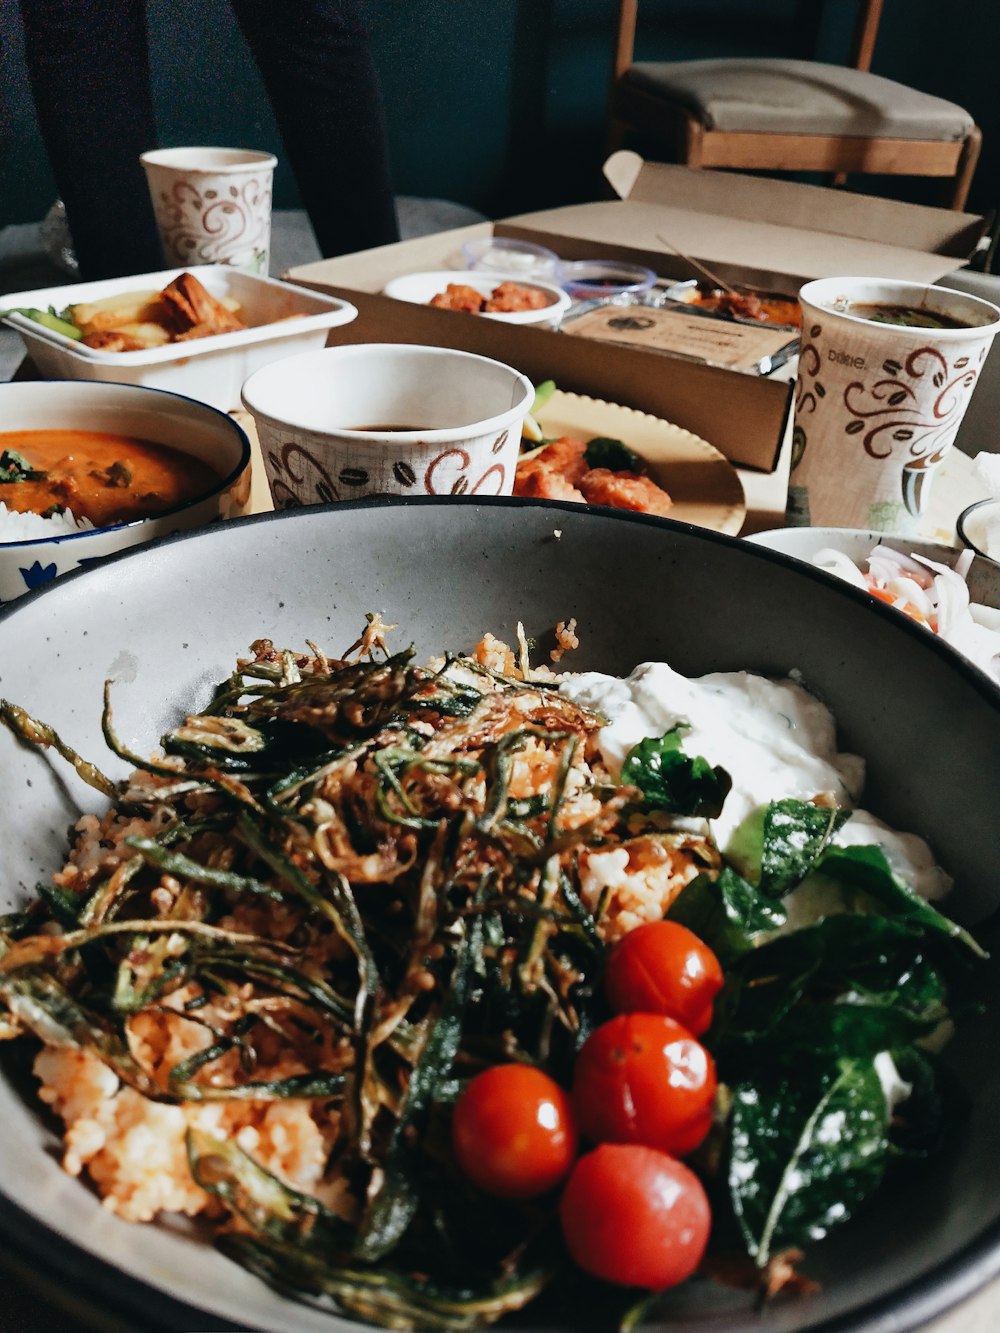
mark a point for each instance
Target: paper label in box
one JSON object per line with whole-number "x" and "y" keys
{"x": 716, "y": 341}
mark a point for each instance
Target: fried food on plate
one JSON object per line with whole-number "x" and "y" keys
{"x": 562, "y": 470}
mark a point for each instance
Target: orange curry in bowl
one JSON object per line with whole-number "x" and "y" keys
{"x": 101, "y": 476}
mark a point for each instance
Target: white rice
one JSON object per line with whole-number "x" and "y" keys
{"x": 15, "y": 527}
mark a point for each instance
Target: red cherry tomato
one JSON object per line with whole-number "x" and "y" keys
{"x": 633, "y": 1215}
{"x": 513, "y": 1132}
{"x": 642, "y": 1078}
{"x": 664, "y": 968}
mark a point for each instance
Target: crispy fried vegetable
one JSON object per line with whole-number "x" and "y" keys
{"x": 417, "y": 832}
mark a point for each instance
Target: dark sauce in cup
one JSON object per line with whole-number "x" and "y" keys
{"x": 907, "y": 316}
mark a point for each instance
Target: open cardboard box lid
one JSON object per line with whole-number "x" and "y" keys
{"x": 771, "y": 234}
{"x": 774, "y": 234}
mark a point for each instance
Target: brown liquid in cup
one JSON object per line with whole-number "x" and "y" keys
{"x": 908, "y": 316}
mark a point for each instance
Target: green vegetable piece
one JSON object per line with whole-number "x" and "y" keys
{"x": 383, "y": 1296}
{"x": 850, "y": 985}
{"x": 33, "y": 732}
{"x": 543, "y": 392}
{"x": 728, "y": 913}
{"x": 15, "y": 467}
{"x": 854, "y": 1025}
{"x": 866, "y": 868}
{"x": 935, "y": 1108}
{"x": 807, "y": 1149}
{"x": 795, "y": 835}
{"x": 673, "y": 781}
{"x": 867, "y": 954}
{"x": 612, "y": 454}
{"x": 270, "y": 1207}
{"x": 394, "y": 1205}
{"x": 49, "y": 320}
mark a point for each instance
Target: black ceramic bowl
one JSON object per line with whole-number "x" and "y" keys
{"x": 169, "y": 620}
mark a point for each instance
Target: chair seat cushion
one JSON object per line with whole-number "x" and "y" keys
{"x": 800, "y": 97}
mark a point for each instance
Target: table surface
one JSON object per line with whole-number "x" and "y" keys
{"x": 956, "y": 486}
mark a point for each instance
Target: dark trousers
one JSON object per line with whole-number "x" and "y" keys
{"x": 88, "y": 61}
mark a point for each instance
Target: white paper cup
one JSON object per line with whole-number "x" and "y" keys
{"x": 374, "y": 419}
{"x": 878, "y": 405}
{"x": 212, "y": 205}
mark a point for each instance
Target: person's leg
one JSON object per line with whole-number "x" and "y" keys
{"x": 316, "y": 64}
{"x": 89, "y": 68}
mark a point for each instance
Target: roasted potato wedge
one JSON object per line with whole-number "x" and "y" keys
{"x": 112, "y": 312}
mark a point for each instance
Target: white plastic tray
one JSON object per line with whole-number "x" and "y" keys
{"x": 284, "y": 319}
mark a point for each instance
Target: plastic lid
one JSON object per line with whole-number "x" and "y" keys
{"x": 501, "y": 255}
{"x": 587, "y": 278}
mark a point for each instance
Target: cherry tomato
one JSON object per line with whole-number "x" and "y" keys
{"x": 664, "y": 968}
{"x": 642, "y": 1078}
{"x": 513, "y": 1132}
{"x": 633, "y": 1215}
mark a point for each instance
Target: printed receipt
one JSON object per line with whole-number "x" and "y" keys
{"x": 719, "y": 342}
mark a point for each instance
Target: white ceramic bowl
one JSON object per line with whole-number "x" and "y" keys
{"x": 371, "y": 419}
{"x": 150, "y": 414}
{"x": 420, "y": 288}
{"x": 983, "y": 577}
{"x": 284, "y": 320}
{"x": 856, "y": 543}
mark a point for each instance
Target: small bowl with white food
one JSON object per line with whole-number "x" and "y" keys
{"x": 510, "y": 298}
{"x": 503, "y": 254}
{"x": 953, "y": 593}
{"x": 89, "y": 469}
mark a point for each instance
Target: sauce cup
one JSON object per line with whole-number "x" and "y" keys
{"x": 375, "y": 419}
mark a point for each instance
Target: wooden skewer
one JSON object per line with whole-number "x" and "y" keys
{"x": 695, "y": 263}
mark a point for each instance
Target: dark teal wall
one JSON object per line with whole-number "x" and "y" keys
{"x": 500, "y": 103}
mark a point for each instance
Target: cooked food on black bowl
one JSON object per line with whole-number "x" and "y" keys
{"x": 655, "y": 832}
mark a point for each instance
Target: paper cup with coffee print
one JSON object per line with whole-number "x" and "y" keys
{"x": 886, "y": 371}
{"x": 374, "y": 419}
{"x": 212, "y": 205}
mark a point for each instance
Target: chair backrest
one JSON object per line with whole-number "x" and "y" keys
{"x": 865, "y": 32}
{"x": 862, "y": 46}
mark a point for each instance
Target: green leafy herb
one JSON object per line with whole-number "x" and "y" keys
{"x": 15, "y": 467}
{"x": 673, "y": 781}
{"x": 866, "y": 868}
{"x": 727, "y": 912}
{"x": 795, "y": 835}
{"x": 612, "y": 454}
{"x": 807, "y": 1148}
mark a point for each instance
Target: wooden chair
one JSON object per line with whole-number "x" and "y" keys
{"x": 793, "y": 115}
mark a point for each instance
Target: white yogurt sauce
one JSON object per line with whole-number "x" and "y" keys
{"x": 774, "y": 739}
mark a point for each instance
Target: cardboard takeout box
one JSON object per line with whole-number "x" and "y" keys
{"x": 771, "y": 234}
